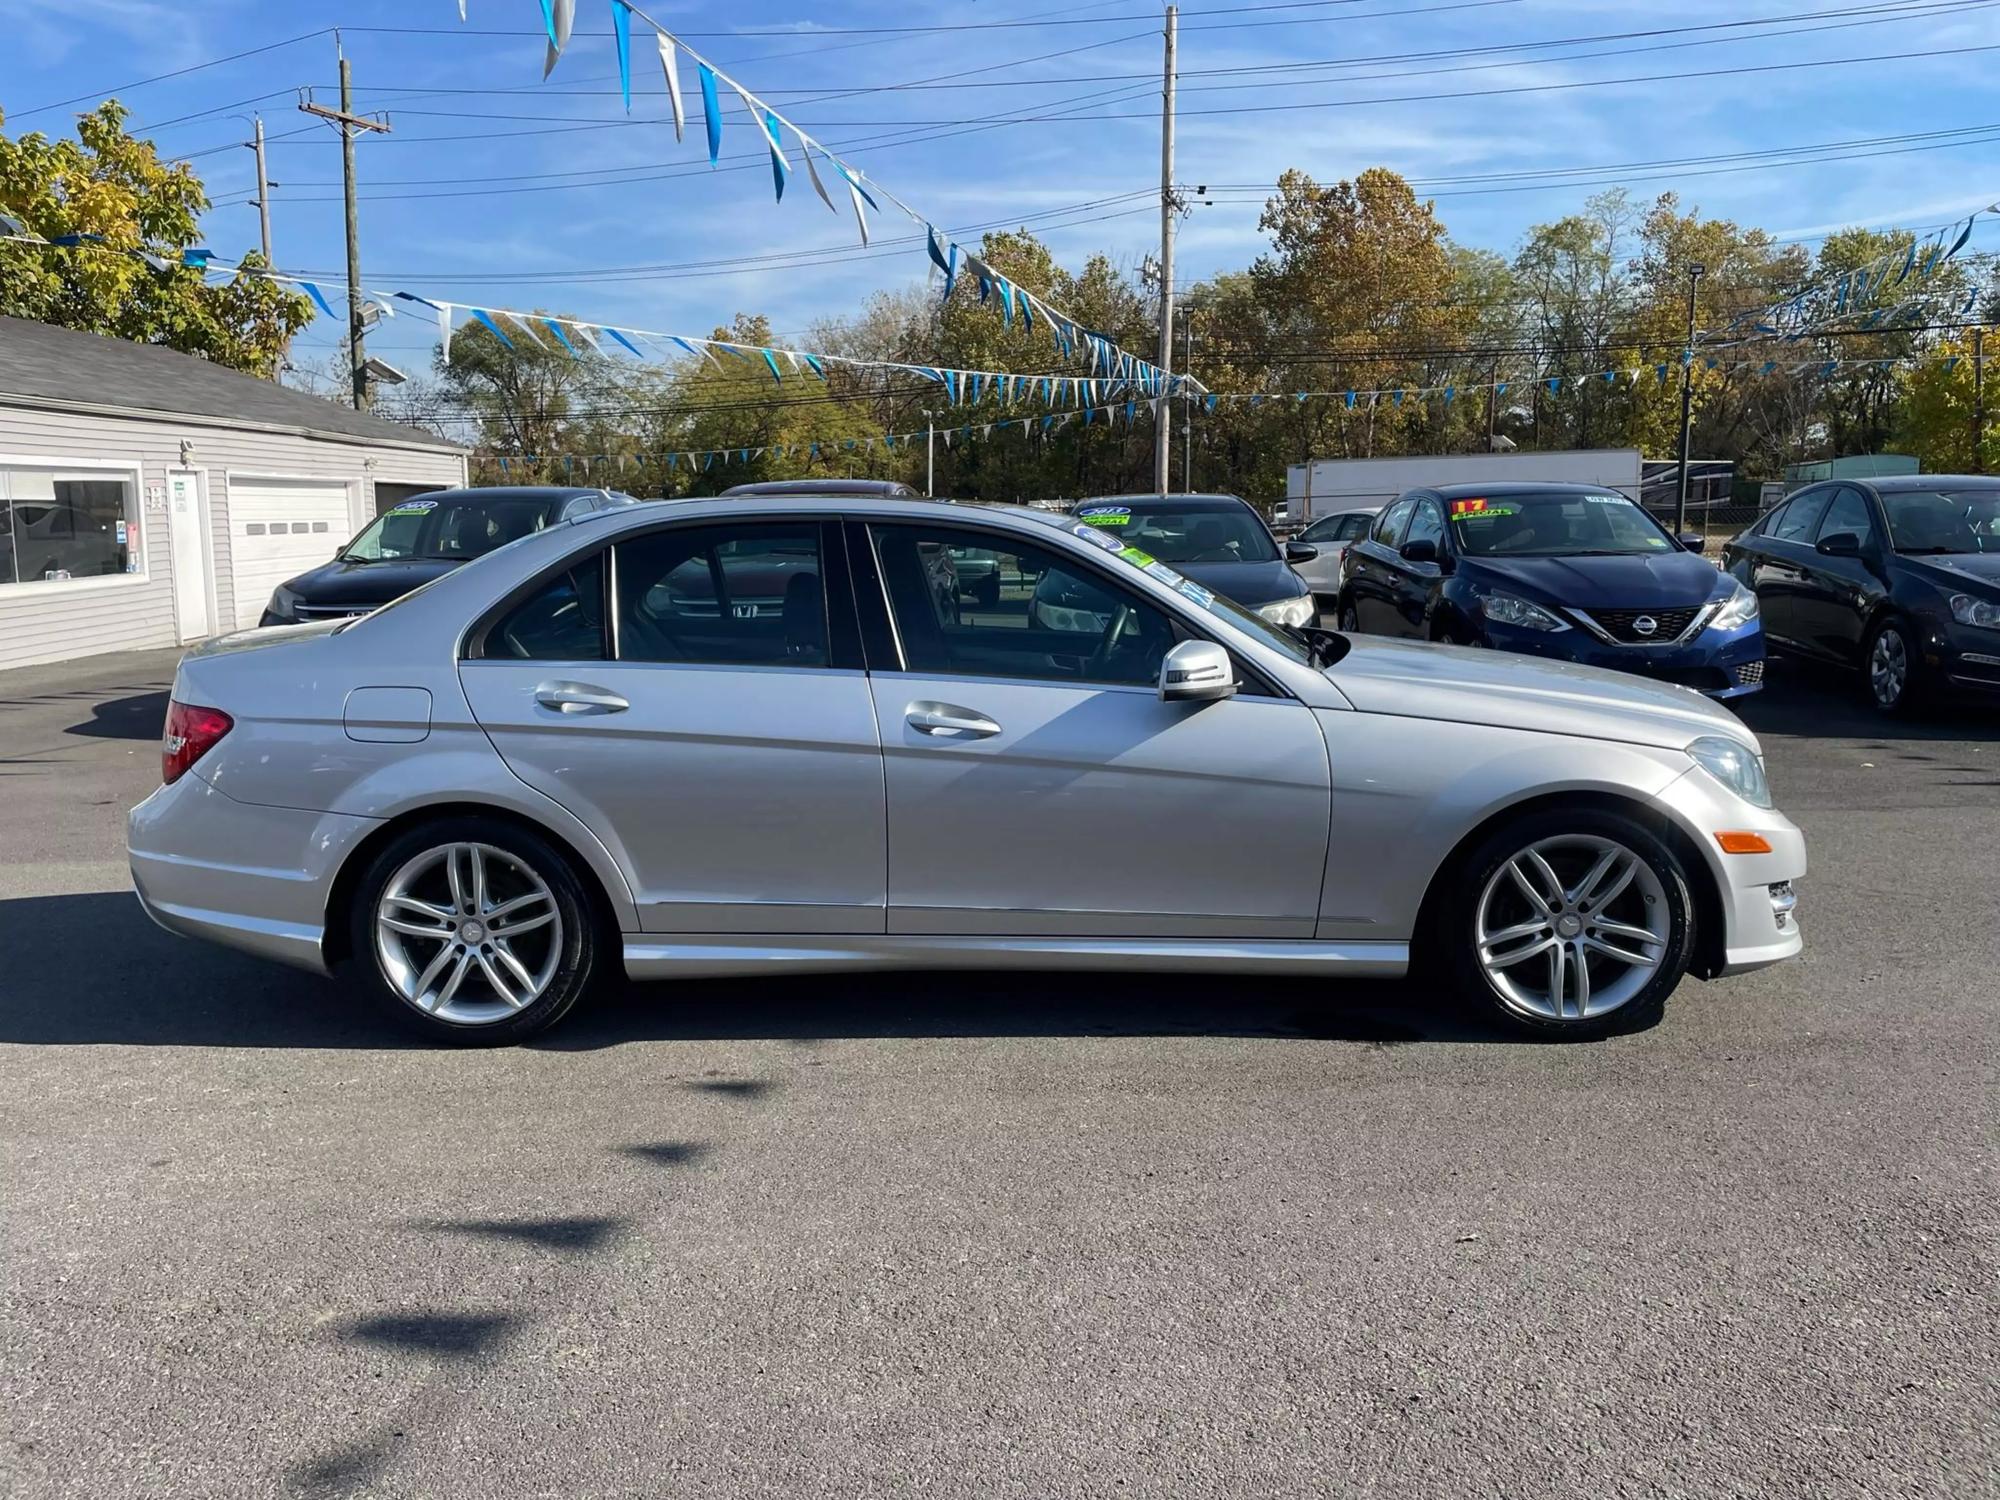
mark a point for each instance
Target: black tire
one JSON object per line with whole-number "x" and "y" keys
{"x": 1893, "y": 634}
{"x": 1452, "y": 932}
{"x": 1350, "y": 621}
{"x": 575, "y": 955}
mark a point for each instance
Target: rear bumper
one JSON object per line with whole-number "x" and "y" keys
{"x": 192, "y": 850}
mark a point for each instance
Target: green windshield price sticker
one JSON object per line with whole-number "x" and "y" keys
{"x": 1137, "y": 558}
{"x": 1107, "y": 518}
{"x": 1484, "y": 512}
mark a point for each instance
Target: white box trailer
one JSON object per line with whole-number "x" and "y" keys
{"x": 1333, "y": 484}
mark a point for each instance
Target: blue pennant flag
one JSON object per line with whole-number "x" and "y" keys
{"x": 818, "y": 368}
{"x": 707, "y": 460}
{"x": 779, "y": 170}
{"x": 1661, "y": 371}
{"x": 1027, "y": 313}
{"x": 1397, "y": 397}
{"x": 556, "y": 328}
{"x": 772, "y": 360}
{"x": 1951, "y": 364}
{"x": 1007, "y": 301}
{"x": 1555, "y": 384}
{"x": 1768, "y": 366}
{"x": 1840, "y": 294}
{"x": 1500, "y": 389}
{"x": 1209, "y": 405}
{"x": 1609, "y": 376}
{"x": 1350, "y": 401}
{"x": 503, "y": 465}
{"x": 1130, "y": 409}
{"x": 711, "y": 111}
{"x": 318, "y": 296}
{"x": 1963, "y": 235}
{"x": 197, "y": 258}
{"x": 1449, "y": 392}
{"x": 949, "y": 267}
{"x": 1300, "y": 397}
{"x": 621, "y": 30}
{"x": 477, "y": 312}
{"x": 1909, "y": 264}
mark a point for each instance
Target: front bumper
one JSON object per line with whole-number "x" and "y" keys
{"x": 1719, "y": 663}
{"x": 1757, "y": 892}
{"x": 190, "y": 847}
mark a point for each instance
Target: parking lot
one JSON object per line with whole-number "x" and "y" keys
{"x": 975, "y": 1235}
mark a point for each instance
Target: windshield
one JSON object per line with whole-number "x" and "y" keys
{"x": 1944, "y": 521}
{"x": 452, "y": 530}
{"x": 1277, "y": 637}
{"x": 1189, "y": 531}
{"x": 1563, "y": 524}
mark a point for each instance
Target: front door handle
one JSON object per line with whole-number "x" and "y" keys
{"x": 579, "y": 698}
{"x": 949, "y": 721}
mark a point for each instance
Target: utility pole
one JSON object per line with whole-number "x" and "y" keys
{"x": 1978, "y": 400}
{"x": 1169, "y": 206}
{"x": 1493, "y": 403}
{"x": 351, "y": 125}
{"x": 263, "y": 191}
{"x": 1687, "y": 403}
{"x": 930, "y": 455}
{"x": 1187, "y": 430}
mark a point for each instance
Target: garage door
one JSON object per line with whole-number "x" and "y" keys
{"x": 278, "y": 528}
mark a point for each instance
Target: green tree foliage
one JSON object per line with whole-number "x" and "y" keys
{"x": 107, "y": 183}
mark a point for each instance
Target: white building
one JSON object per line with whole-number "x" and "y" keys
{"x": 149, "y": 498}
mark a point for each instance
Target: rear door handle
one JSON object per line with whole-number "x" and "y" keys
{"x": 949, "y": 721}
{"x": 579, "y": 698}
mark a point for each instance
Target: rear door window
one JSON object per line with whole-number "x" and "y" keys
{"x": 1390, "y": 526}
{"x": 741, "y": 594}
{"x": 1801, "y": 517}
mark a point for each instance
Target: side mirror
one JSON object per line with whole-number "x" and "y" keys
{"x": 1840, "y": 544}
{"x": 1197, "y": 672}
{"x": 1424, "y": 550}
{"x": 1692, "y": 541}
{"x": 1300, "y": 552}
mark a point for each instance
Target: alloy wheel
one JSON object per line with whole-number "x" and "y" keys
{"x": 1889, "y": 667}
{"x": 468, "y": 933}
{"x": 1571, "y": 928}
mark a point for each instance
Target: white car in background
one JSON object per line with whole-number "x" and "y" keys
{"x": 1331, "y": 534}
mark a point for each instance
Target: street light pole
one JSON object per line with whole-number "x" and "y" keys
{"x": 1687, "y": 403}
{"x": 930, "y": 455}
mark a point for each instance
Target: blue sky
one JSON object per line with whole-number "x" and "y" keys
{"x": 654, "y": 238}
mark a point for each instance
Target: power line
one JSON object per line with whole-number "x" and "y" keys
{"x": 213, "y": 62}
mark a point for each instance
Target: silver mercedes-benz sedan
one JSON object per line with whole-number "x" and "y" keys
{"x": 747, "y": 736}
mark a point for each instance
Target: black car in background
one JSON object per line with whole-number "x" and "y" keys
{"x": 1897, "y": 578}
{"x": 1217, "y": 540}
{"x": 422, "y": 537}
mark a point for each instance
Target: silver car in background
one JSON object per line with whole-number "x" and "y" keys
{"x": 721, "y": 738}
{"x": 1331, "y": 534}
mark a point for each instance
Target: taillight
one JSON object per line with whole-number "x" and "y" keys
{"x": 191, "y": 733}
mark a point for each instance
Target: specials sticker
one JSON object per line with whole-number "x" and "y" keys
{"x": 414, "y": 507}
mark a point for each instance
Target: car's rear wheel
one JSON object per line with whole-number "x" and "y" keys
{"x": 473, "y": 930}
{"x": 1891, "y": 667}
{"x": 1572, "y": 924}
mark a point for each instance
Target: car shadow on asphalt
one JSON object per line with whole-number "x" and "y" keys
{"x": 1805, "y": 700}
{"x": 137, "y": 716}
{"x": 92, "y": 969}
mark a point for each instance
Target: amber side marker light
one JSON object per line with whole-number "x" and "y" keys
{"x": 1743, "y": 843}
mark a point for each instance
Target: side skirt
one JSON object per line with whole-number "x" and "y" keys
{"x": 657, "y": 956}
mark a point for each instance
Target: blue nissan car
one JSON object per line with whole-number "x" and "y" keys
{"x": 1563, "y": 570}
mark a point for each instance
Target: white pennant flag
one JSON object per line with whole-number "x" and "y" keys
{"x": 562, "y": 17}
{"x": 673, "y": 72}
{"x": 461, "y": 9}
{"x": 444, "y": 329}
{"x": 819, "y": 187}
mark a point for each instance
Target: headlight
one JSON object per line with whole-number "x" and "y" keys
{"x": 1298, "y": 611}
{"x": 1970, "y": 611}
{"x": 1732, "y": 763}
{"x": 1510, "y": 609}
{"x": 284, "y": 603}
{"x": 1740, "y": 608}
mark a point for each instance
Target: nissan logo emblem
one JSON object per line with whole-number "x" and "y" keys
{"x": 1645, "y": 625}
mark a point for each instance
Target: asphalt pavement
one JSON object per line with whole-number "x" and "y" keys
{"x": 998, "y": 1237}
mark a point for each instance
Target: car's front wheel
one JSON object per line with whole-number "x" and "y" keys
{"x": 473, "y": 930}
{"x": 1892, "y": 668}
{"x": 1573, "y": 924}
{"x": 1350, "y": 618}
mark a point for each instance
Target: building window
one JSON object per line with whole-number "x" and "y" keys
{"x": 57, "y": 526}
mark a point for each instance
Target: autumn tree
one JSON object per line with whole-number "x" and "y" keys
{"x": 114, "y": 188}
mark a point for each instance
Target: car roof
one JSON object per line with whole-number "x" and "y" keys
{"x": 1514, "y": 487}
{"x": 544, "y": 492}
{"x": 884, "y": 488}
{"x": 1156, "y": 499}
{"x": 1890, "y": 484}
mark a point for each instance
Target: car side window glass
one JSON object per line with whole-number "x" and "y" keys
{"x": 1849, "y": 513}
{"x": 563, "y": 620}
{"x": 1427, "y": 525}
{"x": 1355, "y": 527}
{"x": 971, "y": 604}
{"x": 1801, "y": 517}
{"x": 727, "y": 595}
{"x": 1322, "y": 531}
{"x": 1390, "y": 526}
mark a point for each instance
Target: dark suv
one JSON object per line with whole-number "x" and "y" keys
{"x": 419, "y": 538}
